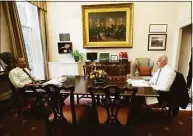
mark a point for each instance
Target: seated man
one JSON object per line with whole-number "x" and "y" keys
{"x": 162, "y": 79}
{"x": 20, "y": 76}
{"x": 165, "y": 75}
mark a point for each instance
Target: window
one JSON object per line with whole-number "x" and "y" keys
{"x": 28, "y": 15}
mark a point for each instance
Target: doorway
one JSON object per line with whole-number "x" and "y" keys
{"x": 185, "y": 50}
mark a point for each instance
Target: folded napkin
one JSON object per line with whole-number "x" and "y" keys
{"x": 139, "y": 83}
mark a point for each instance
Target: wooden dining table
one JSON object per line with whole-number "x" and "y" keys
{"x": 81, "y": 87}
{"x": 81, "y": 84}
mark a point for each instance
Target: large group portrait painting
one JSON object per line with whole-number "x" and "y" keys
{"x": 107, "y": 26}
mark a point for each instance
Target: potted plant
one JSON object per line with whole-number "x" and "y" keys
{"x": 77, "y": 55}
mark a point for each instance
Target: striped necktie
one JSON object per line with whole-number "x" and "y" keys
{"x": 28, "y": 75}
{"x": 158, "y": 76}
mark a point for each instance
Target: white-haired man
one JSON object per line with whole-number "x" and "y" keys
{"x": 162, "y": 79}
{"x": 165, "y": 75}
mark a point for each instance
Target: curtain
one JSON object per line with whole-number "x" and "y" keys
{"x": 40, "y": 4}
{"x": 43, "y": 20}
{"x": 15, "y": 29}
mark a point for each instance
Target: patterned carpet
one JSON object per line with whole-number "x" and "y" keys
{"x": 154, "y": 124}
{"x": 157, "y": 125}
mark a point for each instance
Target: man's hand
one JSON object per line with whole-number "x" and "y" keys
{"x": 36, "y": 84}
{"x": 32, "y": 85}
{"x": 28, "y": 85}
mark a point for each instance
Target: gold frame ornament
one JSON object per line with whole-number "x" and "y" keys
{"x": 109, "y": 25}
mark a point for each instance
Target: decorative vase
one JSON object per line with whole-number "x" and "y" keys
{"x": 98, "y": 81}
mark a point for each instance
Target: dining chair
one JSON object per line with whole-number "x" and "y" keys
{"x": 25, "y": 102}
{"x": 87, "y": 70}
{"x": 8, "y": 59}
{"x": 177, "y": 97}
{"x": 112, "y": 109}
{"x": 57, "y": 115}
{"x": 144, "y": 66}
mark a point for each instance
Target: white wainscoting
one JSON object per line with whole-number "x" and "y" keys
{"x": 57, "y": 69}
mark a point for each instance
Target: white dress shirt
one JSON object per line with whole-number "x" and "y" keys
{"x": 162, "y": 80}
{"x": 19, "y": 78}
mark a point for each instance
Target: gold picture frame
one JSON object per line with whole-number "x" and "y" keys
{"x": 109, "y": 25}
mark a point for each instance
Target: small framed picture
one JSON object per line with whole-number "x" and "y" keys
{"x": 114, "y": 58}
{"x": 157, "y": 42}
{"x": 158, "y": 28}
{"x": 64, "y": 47}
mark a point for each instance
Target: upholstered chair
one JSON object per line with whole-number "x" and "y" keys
{"x": 144, "y": 66}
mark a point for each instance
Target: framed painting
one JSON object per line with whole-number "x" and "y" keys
{"x": 114, "y": 58}
{"x": 157, "y": 42}
{"x": 108, "y": 25}
{"x": 158, "y": 28}
{"x": 64, "y": 47}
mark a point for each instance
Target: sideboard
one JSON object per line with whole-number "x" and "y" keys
{"x": 112, "y": 68}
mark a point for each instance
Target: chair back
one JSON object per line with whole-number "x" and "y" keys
{"x": 23, "y": 97}
{"x": 8, "y": 59}
{"x": 15, "y": 95}
{"x": 112, "y": 100}
{"x": 11, "y": 86}
{"x": 144, "y": 62}
{"x": 52, "y": 100}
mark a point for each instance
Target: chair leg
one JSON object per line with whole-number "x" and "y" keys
{"x": 48, "y": 127}
{"x": 170, "y": 115}
{"x": 77, "y": 97}
{"x": 98, "y": 100}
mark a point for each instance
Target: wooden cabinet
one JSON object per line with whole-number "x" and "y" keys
{"x": 112, "y": 68}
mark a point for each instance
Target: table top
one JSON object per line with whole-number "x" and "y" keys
{"x": 81, "y": 84}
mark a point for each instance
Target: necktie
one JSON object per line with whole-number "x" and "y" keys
{"x": 158, "y": 76}
{"x": 28, "y": 75}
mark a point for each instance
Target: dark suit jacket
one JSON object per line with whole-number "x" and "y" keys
{"x": 178, "y": 94}
{"x": 179, "y": 91}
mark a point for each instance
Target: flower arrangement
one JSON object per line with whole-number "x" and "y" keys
{"x": 98, "y": 75}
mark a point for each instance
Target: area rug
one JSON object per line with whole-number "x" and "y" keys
{"x": 154, "y": 124}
